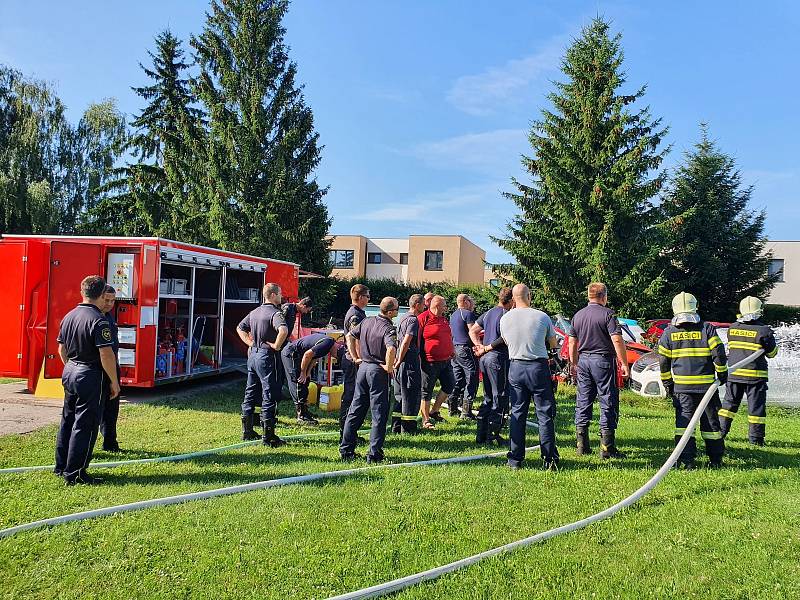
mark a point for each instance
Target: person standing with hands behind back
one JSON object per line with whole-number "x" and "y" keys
{"x": 110, "y": 413}
{"x": 85, "y": 347}
{"x": 595, "y": 338}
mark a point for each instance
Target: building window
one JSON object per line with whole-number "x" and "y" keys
{"x": 404, "y": 258}
{"x": 776, "y": 268}
{"x": 494, "y": 282}
{"x": 374, "y": 258}
{"x": 434, "y": 260}
{"x": 342, "y": 259}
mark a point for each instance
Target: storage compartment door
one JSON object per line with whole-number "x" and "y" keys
{"x": 70, "y": 262}
{"x": 12, "y": 307}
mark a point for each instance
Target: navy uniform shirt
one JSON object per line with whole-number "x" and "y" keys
{"x": 409, "y": 325}
{"x": 263, "y": 324}
{"x": 353, "y": 317}
{"x": 460, "y": 321}
{"x": 375, "y": 335}
{"x": 490, "y": 323}
{"x": 593, "y": 326}
{"x": 84, "y": 330}
{"x": 112, "y": 323}
{"x": 319, "y": 343}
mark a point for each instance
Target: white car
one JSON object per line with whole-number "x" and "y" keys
{"x": 646, "y": 373}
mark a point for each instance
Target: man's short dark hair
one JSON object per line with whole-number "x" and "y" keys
{"x": 305, "y": 302}
{"x": 416, "y": 299}
{"x": 109, "y": 290}
{"x": 504, "y": 296}
{"x": 92, "y": 287}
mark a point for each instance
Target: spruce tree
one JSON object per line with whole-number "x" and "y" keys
{"x": 262, "y": 147}
{"x": 160, "y": 194}
{"x": 715, "y": 246}
{"x": 586, "y": 214}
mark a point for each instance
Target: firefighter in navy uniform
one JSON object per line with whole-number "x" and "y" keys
{"x": 264, "y": 331}
{"x": 359, "y": 296}
{"x": 373, "y": 345}
{"x": 85, "y": 346}
{"x": 408, "y": 375}
{"x": 110, "y": 406}
{"x": 299, "y": 359}
{"x": 691, "y": 356}
{"x": 749, "y": 334}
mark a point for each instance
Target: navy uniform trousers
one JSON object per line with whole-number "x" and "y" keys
{"x": 109, "y": 415}
{"x": 83, "y": 389}
{"x": 465, "y": 373}
{"x": 408, "y": 395}
{"x": 756, "y": 394}
{"x": 372, "y": 392}
{"x": 291, "y": 371}
{"x": 685, "y": 404}
{"x": 597, "y": 378}
{"x": 526, "y": 380}
{"x": 262, "y": 384}
{"x": 349, "y": 373}
{"x": 494, "y": 366}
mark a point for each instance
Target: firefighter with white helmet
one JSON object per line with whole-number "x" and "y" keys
{"x": 691, "y": 355}
{"x": 747, "y": 335}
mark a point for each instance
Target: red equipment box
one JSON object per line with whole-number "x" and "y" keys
{"x": 177, "y": 307}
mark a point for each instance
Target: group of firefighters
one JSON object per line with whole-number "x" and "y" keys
{"x": 509, "y": 345}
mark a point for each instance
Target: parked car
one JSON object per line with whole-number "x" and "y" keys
{"x": 646, "y": 374}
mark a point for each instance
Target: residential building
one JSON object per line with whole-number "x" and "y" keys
{"x": 786, "y": 262}
{"x": 417, "y": 258}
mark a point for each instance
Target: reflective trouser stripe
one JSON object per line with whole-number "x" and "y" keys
{"x": 397, "y": 415}
{"x": 724, "y": 412}
{"x": 758, "y": 420}
{"x": 757, "y": 373}
{"x": 680, "y": 430}
{"x": 408, "y": 418}
{"x": 711, "y": 435}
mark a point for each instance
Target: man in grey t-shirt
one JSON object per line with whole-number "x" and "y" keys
{"x": 528, "y": 332}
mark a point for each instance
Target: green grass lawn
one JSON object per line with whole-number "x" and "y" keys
{"x": 10, "y": 380}
{"x": 733, "y": 533}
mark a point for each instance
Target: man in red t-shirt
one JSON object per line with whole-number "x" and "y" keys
{"x": 436, "y": 350}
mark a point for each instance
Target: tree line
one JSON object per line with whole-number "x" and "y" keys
{"x": 596, "y": 206}
{"x": 222, "y": 153}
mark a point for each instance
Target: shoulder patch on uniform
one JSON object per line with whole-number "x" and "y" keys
{"x": 106, "y": 333}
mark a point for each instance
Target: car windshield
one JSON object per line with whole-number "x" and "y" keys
{"x": 627, "y": 334}
{"x": 562, "y": 323}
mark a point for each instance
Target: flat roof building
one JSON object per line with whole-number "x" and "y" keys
{"x": 417, "y": 258}
{"x": 786, "y": 262}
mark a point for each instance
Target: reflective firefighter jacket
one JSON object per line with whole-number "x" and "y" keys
{"x": 691, "y": 354}
{"x": 743, "y": 340}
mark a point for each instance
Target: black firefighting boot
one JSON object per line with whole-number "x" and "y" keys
{"x": 270, "y": 438}
{"x": 494, "y": 437}
{"x": 715, "y": 449}
{"x": 608, "y": 446}
{"x": 582, "y": 437}
{"x": 482, "y": 431}
{"x": 248, "y": 433}
{"x": 756, "y": 433}
{"x": 304, "y": 417}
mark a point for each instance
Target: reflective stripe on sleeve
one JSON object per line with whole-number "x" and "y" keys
{"x": 713, "y": 342}
{"x": 772, "y": 353}
{"x": 720, "y": 368}
{"x": 666, "y": 376}
{"x": 664, "y": 351}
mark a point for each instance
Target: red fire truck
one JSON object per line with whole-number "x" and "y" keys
{"x": 177, "y": 306}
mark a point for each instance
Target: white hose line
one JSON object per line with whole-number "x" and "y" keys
{"x": 171, "y": 458}
{"x": 238, "y": 489}
{"x": 396, "y": 585}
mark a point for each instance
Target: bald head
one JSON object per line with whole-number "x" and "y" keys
{"x": 438, "y": 305}
{"x": 428, "y": 297}
{"x": 521, "y": 294}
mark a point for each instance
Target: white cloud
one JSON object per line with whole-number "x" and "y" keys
{"x": 493, "y": 152}
{"x": 497, "y": 87}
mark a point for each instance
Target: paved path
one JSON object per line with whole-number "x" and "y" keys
{"x": 22, "y": 412}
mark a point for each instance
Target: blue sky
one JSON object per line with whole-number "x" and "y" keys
{"x": 423, "y": 107}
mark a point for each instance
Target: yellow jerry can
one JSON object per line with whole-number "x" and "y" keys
{"x": 313, "y": 393}
{"x": 330, "y": 398}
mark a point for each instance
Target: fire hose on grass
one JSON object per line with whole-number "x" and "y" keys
{"x": 238, "y": 489}
{"x": 396, "y": 585}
